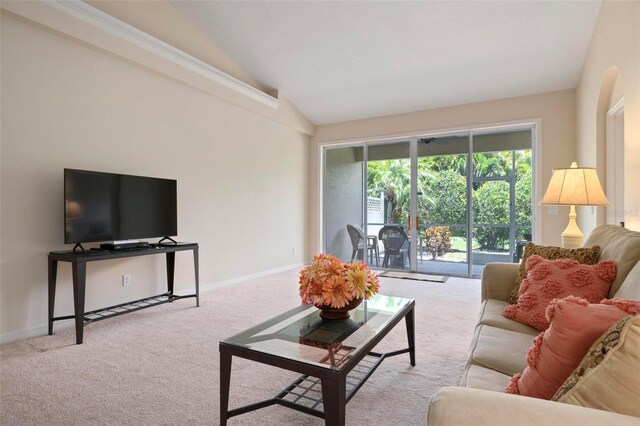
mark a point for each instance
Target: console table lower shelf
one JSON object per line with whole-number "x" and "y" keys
{"x": 79, "y": 262}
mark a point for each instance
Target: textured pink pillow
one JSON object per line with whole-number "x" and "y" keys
{"x": 554, "y": 279}
{"x": 555, "y": 353}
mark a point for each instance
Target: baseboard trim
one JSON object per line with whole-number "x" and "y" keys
{"x": 44, "y": 329}
{"x": 237, "y": 280}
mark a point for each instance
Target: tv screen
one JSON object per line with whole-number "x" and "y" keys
{"x": 111, "y": 207}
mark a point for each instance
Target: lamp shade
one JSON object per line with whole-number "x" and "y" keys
{"x": 576, "y": 186}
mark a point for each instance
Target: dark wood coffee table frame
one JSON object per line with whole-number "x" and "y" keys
{"x": 333, "y": 383}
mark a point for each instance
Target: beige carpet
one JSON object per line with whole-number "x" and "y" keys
{"x": 160, "y": 366}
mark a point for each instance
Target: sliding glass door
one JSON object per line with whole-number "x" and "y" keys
{"x": 501, "y": 179}
{"x": 441, "y": 204}
{"x": 442, "y": 194}
{"x": 389, "y": 203}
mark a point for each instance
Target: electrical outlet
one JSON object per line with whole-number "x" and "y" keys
{"x": 554, "y": 210}
{"x": 293, "y": 250}
{"x": 126, "y": 279}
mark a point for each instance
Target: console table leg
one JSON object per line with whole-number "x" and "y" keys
{"x": 411, "y": 335}
{"x": 79, "y": 272}
{"x": 171, "y": 268}
{"x": 53, "y": 273}
{"x": 225, "y": 383}
{"x": 334, "y": 401}
{"x": 196, "y": 269}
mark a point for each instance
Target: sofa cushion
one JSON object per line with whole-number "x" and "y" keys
{"x": 555, "y": 279}
{"x": 457, "y": 406}
{"x": 476, "y": 376}
{"x": 607, "y": 378}
{"x": 575, "y": 325}
{"x": 619, "y": 244}
{"x": 491, "y": 314}
{"x": 586, "y": 255}
{"x": 500, "y": 350}
{"x": 630, "y": 288}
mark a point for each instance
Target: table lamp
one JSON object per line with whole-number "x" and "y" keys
{"x": 576, "y": 186}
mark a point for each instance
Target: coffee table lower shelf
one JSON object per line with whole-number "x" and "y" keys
{"x": 322, "y": 391}
{"x": 305, "y": 393}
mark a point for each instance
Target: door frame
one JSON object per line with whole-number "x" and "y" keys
{"x": 614, "y": 170}
{"x": 535, "y": 125}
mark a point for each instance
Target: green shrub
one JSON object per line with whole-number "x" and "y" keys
{"x": 491, "y": 206}
{"x": 523, "y": 199}
{"x": 437, "y": 240}
{"x": 446, "y": 202}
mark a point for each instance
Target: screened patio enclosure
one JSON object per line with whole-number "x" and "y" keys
{"x": 446, "y": 204}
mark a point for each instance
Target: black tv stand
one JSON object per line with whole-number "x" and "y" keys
{"x": 79, "y": 262}
{"x": 161, "y": 242}
{"x": 78, "y": 246}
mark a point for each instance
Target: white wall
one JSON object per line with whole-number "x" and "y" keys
{"x": 242, "y": 176}
{"x": 611, "y": 70}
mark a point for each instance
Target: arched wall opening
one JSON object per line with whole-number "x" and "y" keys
{"x": 610, "y": 92}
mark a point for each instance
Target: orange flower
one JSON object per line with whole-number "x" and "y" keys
{"x": 329, "y": 281}
{"x": 373, "y": 284}
{"x": 335, "y": 292}
{"x": 356, "y": 276}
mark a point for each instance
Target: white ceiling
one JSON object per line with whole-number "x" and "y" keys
{"x": 339, "y": 61}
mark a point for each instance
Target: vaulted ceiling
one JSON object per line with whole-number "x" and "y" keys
{"x": 340, "y": 61}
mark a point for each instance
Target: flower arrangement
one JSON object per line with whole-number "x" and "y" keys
{"x": 330, "y": 282}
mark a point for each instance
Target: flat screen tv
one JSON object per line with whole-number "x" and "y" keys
{"x": 112, "y": 207}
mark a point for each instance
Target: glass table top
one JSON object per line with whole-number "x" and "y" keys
{"x": 302, "y": 335}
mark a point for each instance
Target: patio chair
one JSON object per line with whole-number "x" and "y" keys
{"x": 357, "y": 242}
{"x": 372, "y": 249}
{"x": 396, "y": 243}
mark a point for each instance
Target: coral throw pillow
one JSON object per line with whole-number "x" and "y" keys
{"x": 574, "y": 327}
{"x": 584, "y": 255}
{"x": 555, "y": 279}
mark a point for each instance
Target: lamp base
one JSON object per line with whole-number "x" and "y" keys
{"x": 572, "y": 237}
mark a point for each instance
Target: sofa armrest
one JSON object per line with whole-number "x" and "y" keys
{"x": 498, "y": 280}
{"x": 457, "y": 406}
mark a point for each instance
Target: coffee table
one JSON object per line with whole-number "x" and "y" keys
{"x": 335, "y": 358}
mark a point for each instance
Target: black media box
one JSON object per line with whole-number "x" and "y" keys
{"x": 122, "y": 246}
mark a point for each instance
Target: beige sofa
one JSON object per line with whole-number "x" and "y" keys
{"x": 499, "y": 348}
